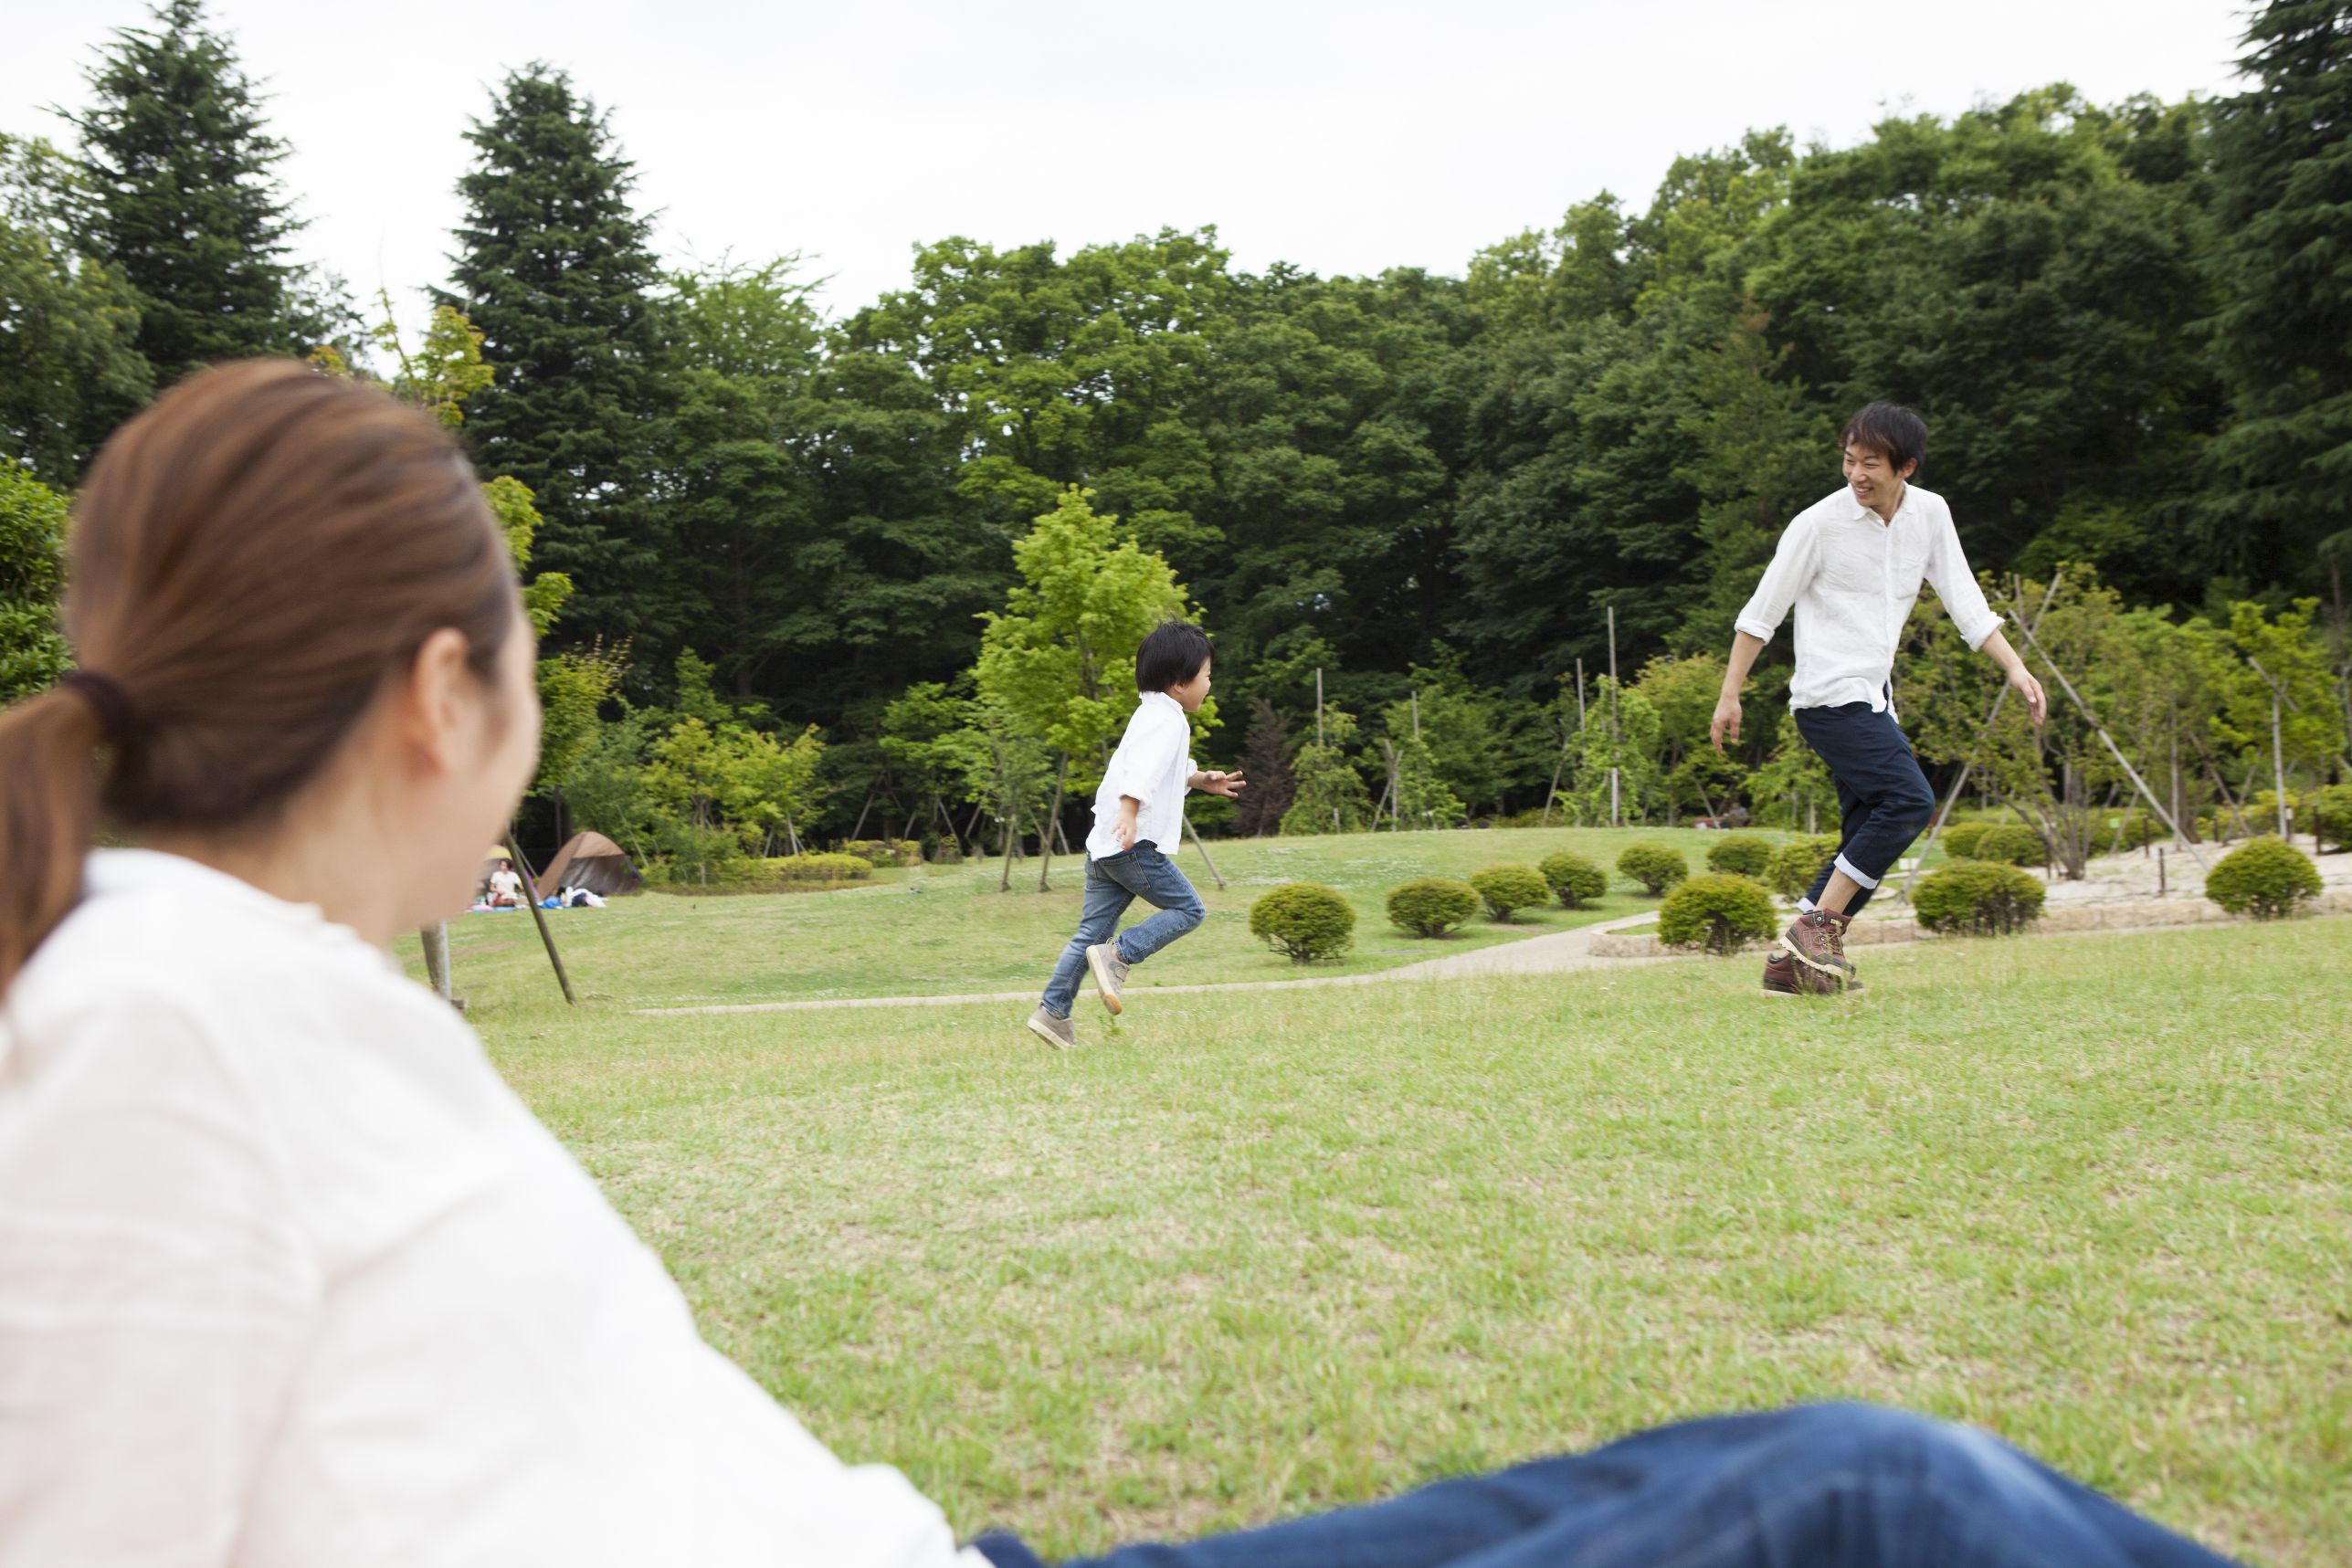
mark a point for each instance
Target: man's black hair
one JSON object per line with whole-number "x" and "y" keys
{"x": 1889, "y": 429}
{"x": 1171, "y": 655}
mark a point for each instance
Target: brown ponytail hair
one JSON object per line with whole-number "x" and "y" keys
{"x": 249, "y": 559}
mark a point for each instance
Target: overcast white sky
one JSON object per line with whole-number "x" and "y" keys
{"x": 1345, "y": 139}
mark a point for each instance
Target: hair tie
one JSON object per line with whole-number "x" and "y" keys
{"x": 107, "y": 700}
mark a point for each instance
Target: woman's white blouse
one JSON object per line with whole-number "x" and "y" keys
{"x": 289, "y": 1279}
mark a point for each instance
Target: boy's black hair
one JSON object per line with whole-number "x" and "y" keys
{"x": 1889, "y": 428}
{"x": 1172, "y": 653}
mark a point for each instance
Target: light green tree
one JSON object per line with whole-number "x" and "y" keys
{"x": 1683, "y": 693}
{"x": 1008, "y": 771}
{"x": 770, "y": 784}
{"x": 574, "y": 688}
{"x": 2289, "y": 648}
{"x": 1623, "y": 736}
{"x": 918, "y": 740}
{"x": 1331, "y": 796}
{"x": 445, "y": 368}
{"x": 1421, "y": 795}
{"x": 1419, "y": 789}
{"x": 1059, "y": 662}
{"x": 1457, "y": 726}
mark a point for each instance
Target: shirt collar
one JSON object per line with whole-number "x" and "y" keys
{"x": 1164, "y": 700}
{"x": 1860, "y": 513}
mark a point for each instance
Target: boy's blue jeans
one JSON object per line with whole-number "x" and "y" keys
{"x": 1881, "y": 795}
{"x": 1112, "y": 884}
{"x": 1827, "y": 1486}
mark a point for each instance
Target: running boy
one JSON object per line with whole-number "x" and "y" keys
{"x": 1850, "y": 564}
{"x": 1138, "y": 820}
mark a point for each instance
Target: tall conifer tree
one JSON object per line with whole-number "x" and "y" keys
{"x": 2283, "y": 167}
{"x": 181, "y": 195}
{"x": 555, "y": 266}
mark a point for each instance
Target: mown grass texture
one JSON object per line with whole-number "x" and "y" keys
{"x": 1261, "y": 1252}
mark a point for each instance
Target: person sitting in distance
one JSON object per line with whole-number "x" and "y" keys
{"x": 506, "y": 887}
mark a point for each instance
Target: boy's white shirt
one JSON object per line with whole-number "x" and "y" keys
{"x": 1153, "y": 764}
{"x": 288, "y": 1277}
{"x": 1852, "y": 581}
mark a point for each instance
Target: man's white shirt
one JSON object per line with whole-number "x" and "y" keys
{"x": 1852, "y": 581}
{"x": 1153, "y": 764}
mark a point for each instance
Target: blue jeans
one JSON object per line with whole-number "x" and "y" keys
{"x": 1881, "y": 795}
{"x": 1112, "y": 884}
{"x": 1828, "y": 1486}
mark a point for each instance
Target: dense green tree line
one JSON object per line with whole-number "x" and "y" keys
{"x": 2129, "y": 326}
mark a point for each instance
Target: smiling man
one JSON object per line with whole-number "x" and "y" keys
{"x": 1851, "y": 565}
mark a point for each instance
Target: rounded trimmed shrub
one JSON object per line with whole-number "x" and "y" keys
{"x": 1508, "y": 887}
{"x": 1305, "y": 921}
{"x": 1978, "y": 898}
{"x": 1720, "y": 911}
{"x": 1654, "y": 866}
{"x": 2331, "y": 815}
{"x": 1431, "y": 906}
{"x": 1959, "y": 840}
{"x": 1794, "y": 864}
{"x": 2265, "y": 878}
{"x": 1740, "y": 855}
{"x": 1574, "y": 880}
{"x": 2012, "y": 844}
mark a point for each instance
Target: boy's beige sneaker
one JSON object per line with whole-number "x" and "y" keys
{"x": 1110, "y": 972}
{"x": 1059, "y": 1033}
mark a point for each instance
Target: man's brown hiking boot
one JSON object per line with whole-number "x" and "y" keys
{"x": 1059, "y": 1033}
{"x": 1109, "y": 972}
{"x": 1817, "y": 940}
{"x": 1784, "y": 976}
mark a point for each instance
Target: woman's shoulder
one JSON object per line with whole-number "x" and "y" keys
{"x": 226, "y": 962}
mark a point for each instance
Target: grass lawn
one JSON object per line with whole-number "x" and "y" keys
{"x": 1258, "y": 1252}
{"x": 963, "y": 936}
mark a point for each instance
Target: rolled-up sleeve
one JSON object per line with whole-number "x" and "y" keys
{"x": 1792, "y": 567}
{"x": 1964, "y": 600}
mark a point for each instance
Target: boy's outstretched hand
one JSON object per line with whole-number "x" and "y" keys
{"x": 1225, "y": 785}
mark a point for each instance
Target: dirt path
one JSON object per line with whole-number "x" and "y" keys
{"x": 1551, "y": 953}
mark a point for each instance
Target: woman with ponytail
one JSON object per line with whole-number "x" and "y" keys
{"x": 290, "y": 1279}
{"x": 286, "y": 1275}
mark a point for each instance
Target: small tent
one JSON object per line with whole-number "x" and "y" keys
{"x": 593, "y": 861}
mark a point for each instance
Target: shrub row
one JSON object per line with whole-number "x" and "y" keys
{"x": 885, "y": 851}
{"x": 816, "y": 867}
{"x": 1983, "y": 895}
